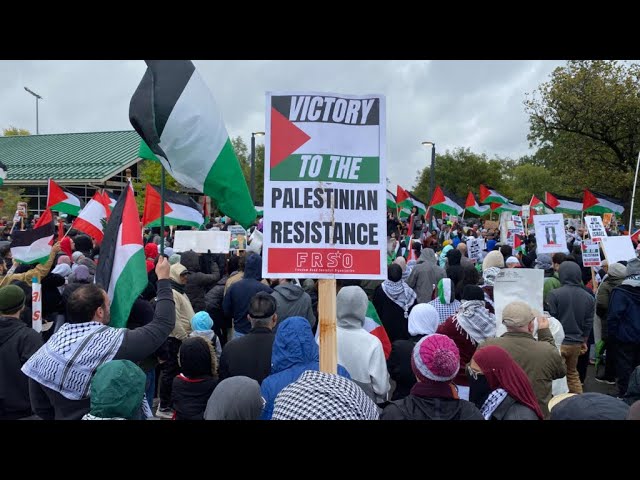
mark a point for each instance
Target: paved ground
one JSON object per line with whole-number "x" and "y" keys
{"x": 590, "y": 384}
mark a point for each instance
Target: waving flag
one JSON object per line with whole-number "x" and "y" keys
{"x": 403, "y": 199}
{"x": 443, "y": 203}
{"x": 600, "y": 203}
{"x": 34, "y": 246}
{"x": 373, "y": 325}
{"x": 506, "y": 207}
{"x": 93, "y": 218}
{"x": 60, "y": 200}
{"x": 178, "y": 209}
{"x": 559, "y": 204}
{"x": 491, "y": 195}
{"x": 177, "y": 117}
{"x": 472, "y": 206}
{"x": 391, "y": 201}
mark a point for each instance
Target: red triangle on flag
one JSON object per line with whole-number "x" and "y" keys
{"x": 56, "y": 194}
{"x": 495, "y": 205}
{"x": 152, "y": 201}
{"x": 286, "y": 138}
{"x": 484, "y": 193}
{"x": 131, "y": 229}
{"x": 401, "y": 195}
{"x": 471, "y": 201}
{"x": 589, "y": 200}
{"x": 551, "y": 200}
{"x": 45, "y": 218}
{"x": 534, "y": 201}
{"x": 635, "y": 236}
{"x": 438, "y": 196}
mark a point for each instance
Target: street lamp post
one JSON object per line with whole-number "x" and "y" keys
{"x": 432, "y": 181}
{"x": 38, "y": 97}
{"x": 253, "y": 164}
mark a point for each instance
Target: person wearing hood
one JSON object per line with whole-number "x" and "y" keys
{"x": 623, "y": 323}
{"x": 292, "y": 301}
{"x": 465, "y": 261}
{"x": 443, "y": 256}
{"x": 151, "y": 251}
{"x": 491, "y": 266}
{"x": 435, "y": 361}
{"x": 294, "y": 352}
{"x": 236, "y": 300}
{"x": 76, "y": 280}
{"x": 198, "y": 283}
{"x": 235, "y": 398}
{"x": 588, "y": 406}
{"x": 470, "y": 326}
{"x": 425, "y": 276}
{"x": 213, "y": 306}
{"x": 323, "y": 396}
{"x": 197, "y": 379}
{"x": 551, "y": 266}
{"x": 574, "y": 307}
{"x": 17, "y": 343}
{"x": 168, "y": 355}
{"x": 202, "y": 326}
{"x": 393, "y": 300}
{"x": 445, "y": 302}
{"x": 309, "y": 286}
{"x": 405, "y": 270}
{"x": 358, "y": 351}
{"x": 616, "y": 273}
{"x": 117, "y": 392}
{"x": 423, "y": 320}
{"x": 500, "y": 388}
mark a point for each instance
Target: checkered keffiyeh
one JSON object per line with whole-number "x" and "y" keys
{"x": 445, "y": 310}
{"x": 323, "y": 396}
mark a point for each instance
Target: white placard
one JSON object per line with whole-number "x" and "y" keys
{"x": 518, "y": 226}
{"x": 525, "y": 211}
{"x": 473, "y": 249}
{"x": 36, "y": 305}
{"x": 482, "y": 243}
{"x": 590, "y": 254}
{"x": 618, "y": 249}
{"x": 550, "y": 234}
{"x": 201, "y": 242}
{"x": 595, "y": 227}
{"x": 523, "y": 284}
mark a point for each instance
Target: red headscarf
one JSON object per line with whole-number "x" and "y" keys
{"x": 65, "y": 246}
{"x": 502, "y": 372}
{"x": 151, "y": 251}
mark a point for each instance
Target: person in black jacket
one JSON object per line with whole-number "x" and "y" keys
{"x": 17, "y": 343}
{"x": 250, "y": 355}
{"x": 393, "y": 300}
{"x": 198, "y": 283}
{"x": 60, "y": 372}
{"x": 197, "y": 379}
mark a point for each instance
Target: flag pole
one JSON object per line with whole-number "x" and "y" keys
{"x": 162, "y": 181}
{"x": 633, "y": 194}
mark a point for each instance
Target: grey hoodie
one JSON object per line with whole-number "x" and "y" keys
{"x": 425, "y": 276}
{"x": 293, "y": 301}
{"x": 572, "y": 305}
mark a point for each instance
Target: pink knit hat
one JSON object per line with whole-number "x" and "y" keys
{"x": 435, "y": 357}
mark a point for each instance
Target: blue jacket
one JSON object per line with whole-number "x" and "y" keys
{"x": 294, "y": 351}
{"x": 623, "y": 321}
{"x": 237, "y": 299}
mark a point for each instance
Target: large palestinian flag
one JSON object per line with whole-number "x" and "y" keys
{"x": 178, "y": 209}
{"x": 34, "y": 246}
{"x": 491, "y": 195}
{"x": 373, "y": 325}
{"x": 559, "y": 204}
{"x": 600, "y": 203}
{"x": 177, "y": 117}
{"x": 472, "y": 206}
{"x": 444, "y": 203}
{"x": 506, "y": 207}
{"x": 93, "y": 218}
{"x": 122, "y": 268}
{"x": 60, "y": 200}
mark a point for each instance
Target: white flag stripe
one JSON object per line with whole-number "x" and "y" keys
{"x": 346, "y": 140}
{"x": 122, "y": 255}
{"x": 182, "y": 212}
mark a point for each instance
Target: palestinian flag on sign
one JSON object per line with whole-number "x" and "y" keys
{"x": 60, "y": 200}
{"x": 490, "y": 195}
{"x": 600, "y": 203}
{"x": 403, "y": 199}
{"x": 34, "y": 246}
{"x": 472, "y": 206}
{"x": 93, "y": 218}
{"x": 444, "y": 203}
{"x": 559, "y": 204}
{"x": 506, "y": 207}
{"x": 177, "y": 117}
{"x": 178, "y": 209}
{"x": 3, "y": 173}
{"x": 122, "y": 268}
{"x": 373, "y": 325}
{"x": 391, "y": 201}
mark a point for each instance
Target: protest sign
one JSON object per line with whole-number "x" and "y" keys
{"x": 518, "y": 225}
{"x": 325, "y": 186}
{"x": 201, "y": 241}
{"x": 482, "y": 243}
{"x": 36, "y": 305}
{"x": 491, "y": 224}
{"x": 550, "y": 234}
{"x": 590, "y": 254}
{"x": 473, "y": 249}
{"x": 606, "y": 219}
{"x": 595, "y": 227}
{"x": 238, "y": 237}
{"x": 525, "y": 211}
{"x": 618, "y": 249}
{"x": 524, "y": 284}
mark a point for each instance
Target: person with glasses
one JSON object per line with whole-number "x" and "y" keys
{"x": 500, "y": 388}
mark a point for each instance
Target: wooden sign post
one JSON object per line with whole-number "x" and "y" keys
{"x": 327, "y": 313}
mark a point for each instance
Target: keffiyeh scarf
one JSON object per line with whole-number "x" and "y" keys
{"x": 476, "y": 320}
{"x": 69, "y": 359}
{"x": 489, "y": 275}
{"x": 400, "y": 293}
{"x": 492, "y": 402}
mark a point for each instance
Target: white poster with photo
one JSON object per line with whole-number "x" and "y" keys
{"x": 550, "y": 234}
{"x": 595, "y": 227}
{"x": 524, "y": 284}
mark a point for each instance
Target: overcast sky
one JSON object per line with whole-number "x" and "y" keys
{"x": 475, "y": 104}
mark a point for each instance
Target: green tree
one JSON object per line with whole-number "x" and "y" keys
{"x": 243, "y": 154}
{"x": 150, "y": 172}
{"x": 14, "y": 131}
{"x": 259, "y": 174}
{"x": 459, "y": 171}
{"x": 524, "y": 179}
{"x": 585, "y": 122}
{"x": 10, "y": 198}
